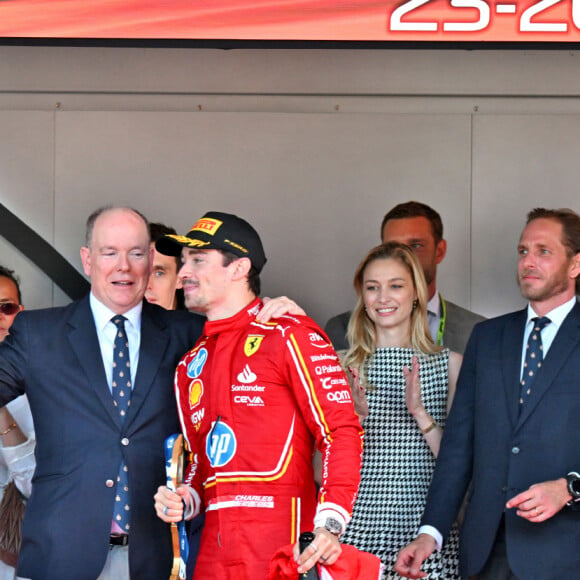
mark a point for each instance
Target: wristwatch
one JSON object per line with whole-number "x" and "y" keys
{"x": 335, "y": 527}
{"x": 573, "y": 483}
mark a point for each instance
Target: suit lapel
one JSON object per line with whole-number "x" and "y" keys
{"x": 154, "y": 341}
{"x": 85, "y": 344}
{"x": 511, "y": 349}
{"x": 566, "y": 340}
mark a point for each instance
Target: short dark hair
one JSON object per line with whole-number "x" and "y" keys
{"x": 570, "y": 222}
{"x": 158, "y": 230}
{"x": 7, "y": 273}
{"x": 90, "y": 226}
{"x": 411, "y": 209}
{"x": 254, "y": 282}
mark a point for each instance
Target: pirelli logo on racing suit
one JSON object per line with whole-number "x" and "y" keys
{"x": 252, "y": 344}
{"x": 208, "y": 225}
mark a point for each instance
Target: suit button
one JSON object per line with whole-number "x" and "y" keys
{"x": 515, "y": 450}
{"x": 125, "y": 441}
{"x": 504, "y": 488}
{"x": 109, "y": 483}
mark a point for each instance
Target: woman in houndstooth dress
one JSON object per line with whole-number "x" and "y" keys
{"x": 403, "y": 385}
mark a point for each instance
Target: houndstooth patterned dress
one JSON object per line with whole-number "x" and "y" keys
{"x": 398, "y": 463}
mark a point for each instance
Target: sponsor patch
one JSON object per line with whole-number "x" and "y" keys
{"x": 252, "y": 344}
{"x": 247, "y": 376}
{"x": 320, "y": 357}
{"x": 339, "y": 396}
{"x": 221, "y": 444}
{"x": 248, "y": 389}
{"x": 327, "y": 369}
{"x": 317, "y": 341}
{"x": 254, "y": 310}
{"x": 249, "y": 400}
{"x": 329, "y": 382}
{"x": 196, "y": 419}
{"x": 208, "y": 225}
{"x": 248, "y": 501}
{"x": 195, "y": 393}
{"x": 197, "y": 363}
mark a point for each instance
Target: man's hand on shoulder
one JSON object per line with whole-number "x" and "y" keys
{"x": 276, "y": 307}
{"x": 412, "y": 556}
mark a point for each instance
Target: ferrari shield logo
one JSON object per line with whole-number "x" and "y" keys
{"x": 253, "y": 342}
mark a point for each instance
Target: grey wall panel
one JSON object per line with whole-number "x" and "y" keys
{"x": 26, "y": 189}
{"x": 316, "y": 186}
{"x": 519, "y": 162}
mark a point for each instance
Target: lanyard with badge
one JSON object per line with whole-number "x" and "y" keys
{"x": 442, "y": 321}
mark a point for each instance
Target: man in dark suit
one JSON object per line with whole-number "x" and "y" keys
{"x": 63, "y": 358}
{"x": 513, "y": 429}
{"x": 420, "y": 227}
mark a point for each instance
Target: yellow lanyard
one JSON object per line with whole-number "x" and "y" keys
{"x": 439, "y": 341}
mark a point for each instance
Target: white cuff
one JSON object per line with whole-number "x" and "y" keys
{"x": 330, "y": 510}
{"x": 434, "y": 533}
{"x": 192, "y": 505}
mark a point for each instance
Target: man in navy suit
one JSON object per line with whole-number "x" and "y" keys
{"x": 517, "y": 441}
{"x": 62, "y": 358}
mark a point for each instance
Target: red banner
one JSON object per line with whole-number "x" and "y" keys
{"x": 371, "y": 20}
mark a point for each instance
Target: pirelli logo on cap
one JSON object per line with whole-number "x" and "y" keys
{"x": 208, "y": 225}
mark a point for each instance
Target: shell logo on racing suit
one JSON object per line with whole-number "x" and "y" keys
{"x": 221, "y": 444}
{"x": 196, "y": 365}
{"x": 195, "y": 393}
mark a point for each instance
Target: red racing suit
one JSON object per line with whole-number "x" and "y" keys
{"x": 254, "y": 400}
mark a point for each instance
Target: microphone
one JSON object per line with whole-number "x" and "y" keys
{"x": 306, "y": 538}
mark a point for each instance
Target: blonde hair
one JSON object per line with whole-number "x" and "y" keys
{"x": 361, "y": 332}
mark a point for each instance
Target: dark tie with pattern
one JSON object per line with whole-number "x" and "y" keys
{"x": 121, "y": 390}
{"x": 534, "y": 357}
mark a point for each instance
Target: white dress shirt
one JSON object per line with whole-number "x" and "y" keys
{"x": 106, "y": 331}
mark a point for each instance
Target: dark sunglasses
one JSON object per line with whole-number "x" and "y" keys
{"x": 9, "y": 308}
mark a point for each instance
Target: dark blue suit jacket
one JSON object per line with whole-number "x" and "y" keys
{"x": 53, "y": 355}
{"x": 487, "y": 441}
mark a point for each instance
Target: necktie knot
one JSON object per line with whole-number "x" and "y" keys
{"x": 119, "y": 321}
{"x": 540, "y": 322}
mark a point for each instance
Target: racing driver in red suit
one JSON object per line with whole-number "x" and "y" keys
{"x": 255, "y": 400}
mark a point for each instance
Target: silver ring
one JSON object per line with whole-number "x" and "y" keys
{"x": 165, "y": 510}
{"x": 315, "y": 548}
{"x": 323, "y": 558}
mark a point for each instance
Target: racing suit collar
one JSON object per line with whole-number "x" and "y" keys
{"x": 239, "y": 320}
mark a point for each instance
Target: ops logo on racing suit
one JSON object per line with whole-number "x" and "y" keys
{"x": 221, "y": 444}
{"x": 197, "y": 363}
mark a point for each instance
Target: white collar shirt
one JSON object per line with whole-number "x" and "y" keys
{"x": 556, "y": 316}
{"x": 106, "y": 334}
